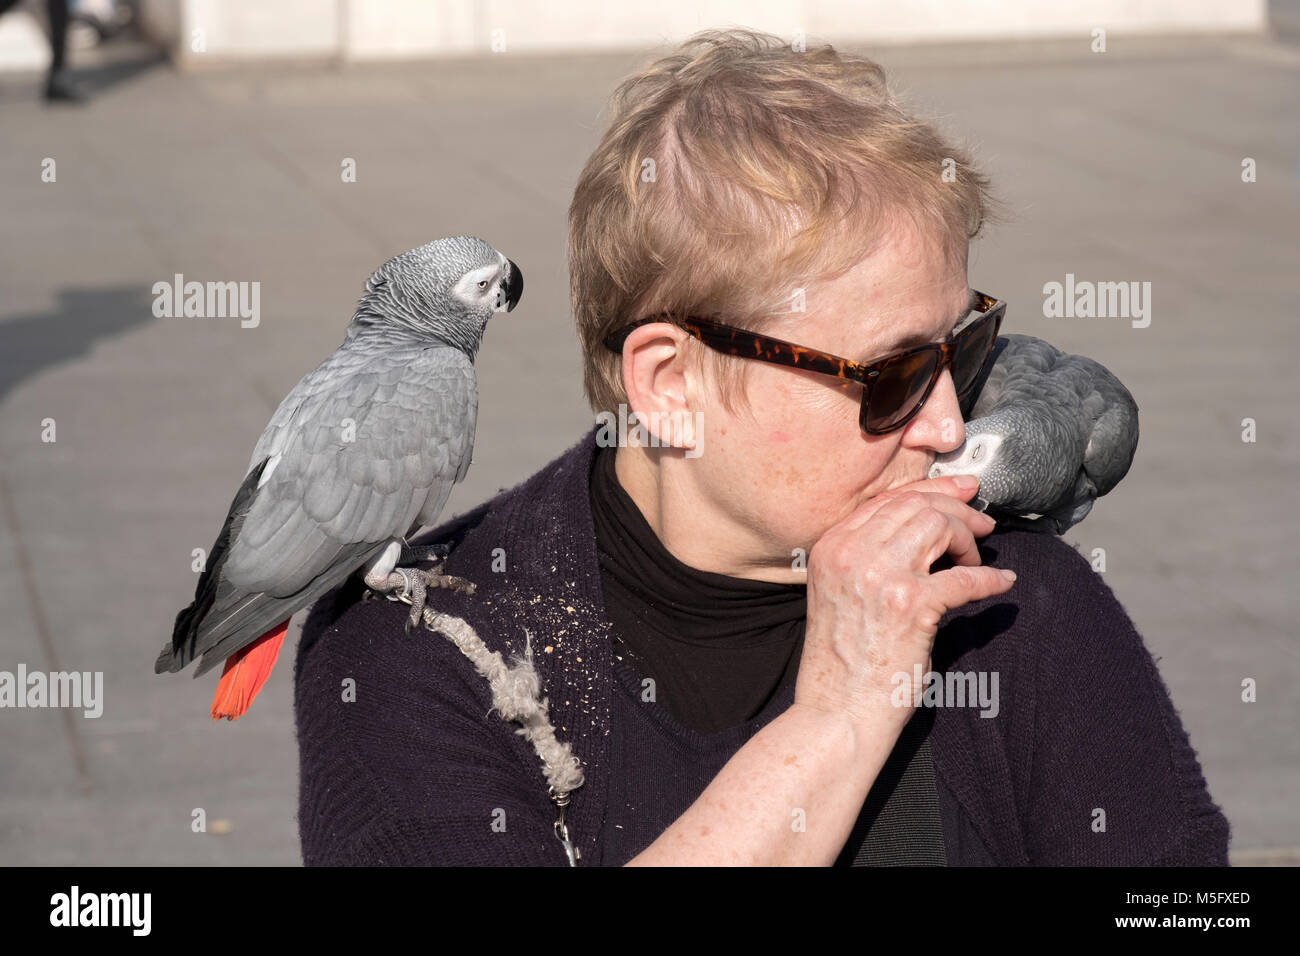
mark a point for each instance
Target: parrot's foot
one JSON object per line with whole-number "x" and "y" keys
{"x": 429, "y": 552}
{"x": 413, "y": 584}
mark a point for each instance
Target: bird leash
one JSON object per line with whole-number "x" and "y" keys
{"x": 516, "y": 695}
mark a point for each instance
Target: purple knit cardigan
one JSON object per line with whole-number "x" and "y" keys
{"x": 408, "y": 764}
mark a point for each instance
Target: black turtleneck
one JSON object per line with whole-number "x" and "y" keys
{"x": 723, "y": 653}
{"x": 717, "y": 647}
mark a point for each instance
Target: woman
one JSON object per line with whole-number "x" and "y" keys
{"x": 733, "y": 619}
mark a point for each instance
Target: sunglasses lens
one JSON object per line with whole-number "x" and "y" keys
{"x": 971, "y": 349}
{"x": 899, "y": 389}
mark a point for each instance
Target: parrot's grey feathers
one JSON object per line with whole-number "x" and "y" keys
{"x": 1112, "y": 443}
{"x": 1046, "y": 432}
{"x": 181, "y": 649}
{"x": 356, "y": 465}
{"x": 240, "y": 615}
{"x": 443, "y": 291}
{"x": 364, "y": 450}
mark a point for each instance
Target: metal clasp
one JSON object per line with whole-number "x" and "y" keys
{"x": 561, "y": 801}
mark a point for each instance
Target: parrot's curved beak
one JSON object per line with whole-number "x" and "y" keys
{"x": 514, "y": 286}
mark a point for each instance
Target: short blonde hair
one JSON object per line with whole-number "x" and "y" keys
{"x": 735, "y": 170}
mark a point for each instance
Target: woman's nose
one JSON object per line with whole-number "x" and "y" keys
{"x": 939, "y": 423}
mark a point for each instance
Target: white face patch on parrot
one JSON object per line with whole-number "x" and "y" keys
{"x": 972, "y": 458}
{"x": 483, "y": 288}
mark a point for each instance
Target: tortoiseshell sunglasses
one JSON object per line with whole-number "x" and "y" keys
{"x": 895, "y": 387}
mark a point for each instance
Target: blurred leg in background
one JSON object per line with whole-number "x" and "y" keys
{"x": 59, "y": 87}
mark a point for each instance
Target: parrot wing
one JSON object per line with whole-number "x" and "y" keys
{"x": 1113, "y": 440}
{"x": 1020, "y": 367}
{"x": 1079, "y": 390}
{"x": 363, "y": 449}
{"x": 1092, "y": 416}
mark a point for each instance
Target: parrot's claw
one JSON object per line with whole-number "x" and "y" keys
{"x": 411, "y": 585}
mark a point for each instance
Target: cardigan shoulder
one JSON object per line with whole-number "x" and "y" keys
{"x": 402, "y": 757}
{"x": 1086, "y": 761}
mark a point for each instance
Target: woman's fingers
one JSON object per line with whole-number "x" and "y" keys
{"x": 954, "y": 587}
{"x": 928, "y": 538}
{"x": 938, "y": 493}
{"x": 874, "y": 606}
{"x": 927, "y": 518}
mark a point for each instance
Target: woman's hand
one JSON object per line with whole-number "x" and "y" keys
{"x": 873, "y": 604}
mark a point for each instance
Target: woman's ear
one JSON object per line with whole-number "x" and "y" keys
{"x": 658, "y": 380}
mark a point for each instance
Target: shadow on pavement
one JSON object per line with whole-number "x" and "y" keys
{"x": 35, "y": 342}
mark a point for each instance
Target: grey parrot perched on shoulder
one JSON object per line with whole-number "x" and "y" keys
{"x": 362, "y": 453}
{"x": 1047, "y": 433}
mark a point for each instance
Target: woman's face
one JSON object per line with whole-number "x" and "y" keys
{"x": 796, "y": 462}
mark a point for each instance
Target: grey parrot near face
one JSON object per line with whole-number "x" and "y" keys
{"x": 361, "y": 454}
{"x": 1047, "y": 433}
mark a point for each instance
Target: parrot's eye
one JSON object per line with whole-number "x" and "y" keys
{"x": 482, "y": 283}
{"x": 976, "y": 453}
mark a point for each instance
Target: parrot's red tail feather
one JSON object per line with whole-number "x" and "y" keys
{"x": 246, "y": 671}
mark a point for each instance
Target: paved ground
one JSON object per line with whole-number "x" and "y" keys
{"x": 1120, "y": 166}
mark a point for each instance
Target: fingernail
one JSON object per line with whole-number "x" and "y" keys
{"x": 1008, "y": 574}
{"x": 967, "y": 481}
